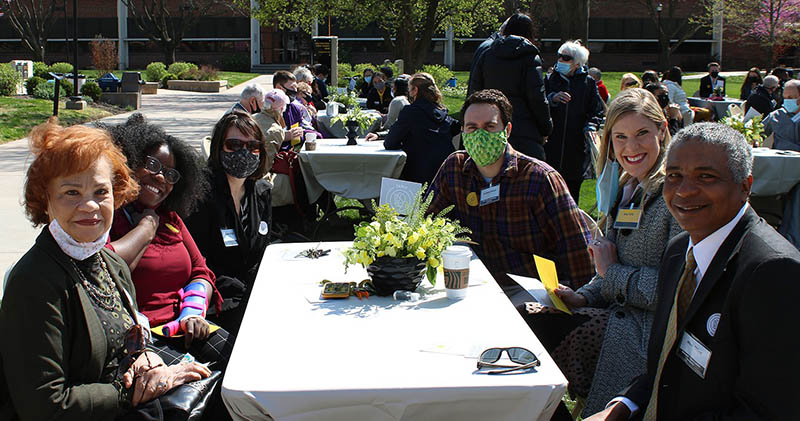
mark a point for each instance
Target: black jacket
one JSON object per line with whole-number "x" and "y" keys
{"x": 217, "y": 212}
{"x": 425, "y": 133}
{"x": 512, "y": 66}
{"x": 761, "y": 100}
{"x": 570, "y": 121}
{"x": 740, "y": 312}
{"x": 705, "y": 86}
{"x": 375, "y": 102}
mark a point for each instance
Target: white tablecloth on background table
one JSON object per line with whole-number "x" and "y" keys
{"x": 338, "y": 129}
{"x": 353, "y": 172}
{"x": 299, "y": 358}
{"x": 774, "y": 171}
{"x": 720, "y": 108}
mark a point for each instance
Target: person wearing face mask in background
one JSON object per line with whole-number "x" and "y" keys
{"x": 380, "y": 96}
{"x": 251, "y": 100}
{"x": 762, "y": 97}
{"x": 577, "y": 109}
{"x": 712, "y": 81}
{"x": 293, "y": 114}
{"x": 751, "y": 82}
{"x": 671, "y": 111}
{"x": 232, "y": 224}
{"x": 270, "y": 119}
{"x": 366, "y": 83}
{"x": 784, "y": 123}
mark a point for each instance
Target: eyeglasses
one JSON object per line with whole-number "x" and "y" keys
{"x": 254, "y": 146}
{"x": 565, "y": 57}
{"x": 525, "y": 358}
{"x": 135, "y": 345}
{"x": 632, "y": 83}
{"x": 154, "y": 166}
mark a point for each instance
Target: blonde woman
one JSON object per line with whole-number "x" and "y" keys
{"x": 629, "y": 81}
{"x": 601, "y": 356}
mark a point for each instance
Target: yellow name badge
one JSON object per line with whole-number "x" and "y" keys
{"x": 628, "y": 219}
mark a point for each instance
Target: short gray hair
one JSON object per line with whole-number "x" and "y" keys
{"x": 302, "y": 74}
{"x": 771, "y": 81}
{"x": 738, "y": 152}
{"x": 595, "y": 73}
{"x": 792, "y": 83}
{"x": 253, "y": 90}
{"x": 578, "y": 52}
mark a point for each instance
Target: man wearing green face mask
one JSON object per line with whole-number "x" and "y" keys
{"x": 515, "y": 205}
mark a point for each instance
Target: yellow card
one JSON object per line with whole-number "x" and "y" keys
{"x": 296, "y": 140}
{"x": 549, "y": 278}
{"x": 158, "y": 330}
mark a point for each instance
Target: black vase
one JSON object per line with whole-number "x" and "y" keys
{"x": 390, "y": 274}
{"x": 352, "y": 131}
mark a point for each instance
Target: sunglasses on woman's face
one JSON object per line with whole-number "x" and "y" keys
{"x": 565, "y": 57}
{"x": 233, "y": 145}
{"x": 154, "y": 166}
{"x": 632, "y": 83}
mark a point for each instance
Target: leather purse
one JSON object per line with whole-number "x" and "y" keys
{"x": 187, "y": 402}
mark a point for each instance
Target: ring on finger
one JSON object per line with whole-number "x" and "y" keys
{"x": 162, "y": 385}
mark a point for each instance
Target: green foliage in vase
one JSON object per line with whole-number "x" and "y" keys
{"x": 364, "y": 119}
{"x": 753, "y": 129}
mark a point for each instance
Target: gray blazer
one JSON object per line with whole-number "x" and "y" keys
{"x": 629, "y": 292}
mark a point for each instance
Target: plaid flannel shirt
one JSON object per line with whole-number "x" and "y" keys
{"x": 535, "y": 214}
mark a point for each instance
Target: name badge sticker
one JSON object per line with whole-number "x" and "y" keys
{"x": 490, "y": 195}
{"x": 694, "y": 354}
{"x": 263, "y": 228}
{"x": 628, "y": 219}
{"x": 229, "y": 237}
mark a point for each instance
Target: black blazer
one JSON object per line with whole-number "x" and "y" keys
{"x": 705, "y": 86}
{"x": 751, "y": 289}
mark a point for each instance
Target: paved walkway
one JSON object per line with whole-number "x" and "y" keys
{"x": 188, "y": 115}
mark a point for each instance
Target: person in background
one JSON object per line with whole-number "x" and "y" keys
{"x": 717, "y": 348}
{"x": 380, "y": 96}
{"x": 251, "y": 100}
{"x": 515, "y": 205}
{"x": 649, "y": 76}
{"x": 319, "y": 85}
{"x": 305, "y": 97}
{"x": 270, "y": 119}
{"x": 629, "y": 81}
{"x": 784, "y": 123}
{"x": 783, "y": 76}
{"x": 673, "y": 79}
{"x": 388, "y": 72}
{"x": 512, "y": 65}
{"x": 597, "y": 75}
{"x": 423, "y": 130}
{"x": 762, "y": 96}
{"x": 712, "y": 81}
{"x": 232, "y": 224}
{"x": 366, "y": 83}
{"x": 293, "y": 115}
{"x": 577, "y": 110}
{"x": 302, "y": 74}
{"x": 603, "y": 354}
{"x": 69, "y": 303}
{"x": 671, "y": 111}
{"x": 751, "y": 82}
{"x": 400, "y": 89}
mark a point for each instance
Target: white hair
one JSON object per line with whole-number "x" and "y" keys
{"x": 792, "y": 83}
{"x": 738, "y": 152}
{"x": 578, "y": 52}
{"x": 252, "y": 90}
{"x": 771, "y": 81}
{"x": 302, "y": 74}
{"x": 277, "y": 97}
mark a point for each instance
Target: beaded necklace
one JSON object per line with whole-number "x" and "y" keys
{"x": 107, "y": 300}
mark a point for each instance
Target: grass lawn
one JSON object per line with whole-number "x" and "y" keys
{"x": 233, "y": 78}
{"x": 18, "y": 115}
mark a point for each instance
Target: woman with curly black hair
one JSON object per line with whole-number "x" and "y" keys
{"x": 173, "y": 284}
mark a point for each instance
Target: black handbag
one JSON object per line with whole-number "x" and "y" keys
{"x": 187, "y": 402}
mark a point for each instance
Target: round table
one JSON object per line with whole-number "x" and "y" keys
{"x": 720, "y": 108}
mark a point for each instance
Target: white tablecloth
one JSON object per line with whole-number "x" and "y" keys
{"x": 299, "y": 358}
{"x": 338, "y": 129}
{"x": 774, "y": 171}
{"x": 353, "y": 172}
{"x": 720, "y": 108}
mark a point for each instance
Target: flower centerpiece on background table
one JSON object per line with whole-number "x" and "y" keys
{"x": 753, "y": 129}
{"x": 354, "y": 119}
{"x": 397, "y": 251}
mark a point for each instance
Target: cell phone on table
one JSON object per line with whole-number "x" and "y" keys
{"x": 336, "y": 290}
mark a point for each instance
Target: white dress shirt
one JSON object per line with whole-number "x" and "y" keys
{"x": 704, "y": 253}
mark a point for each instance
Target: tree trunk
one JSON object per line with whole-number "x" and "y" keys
{"x": 169, "y": 53}
{"x": 663, "y": 53}
{"x": 572, "y": 19}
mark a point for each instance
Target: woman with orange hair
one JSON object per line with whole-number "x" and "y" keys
{"x": 74, "y": 343}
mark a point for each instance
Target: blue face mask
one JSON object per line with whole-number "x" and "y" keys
{"x": 791, "y": 105}
{"x": 562, "y": 68}
{"x": 607, "y": 186}
{"x": 368, "y": 79}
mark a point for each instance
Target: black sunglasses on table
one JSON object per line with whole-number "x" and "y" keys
{"x": 525, "y": 358}
{"x": 154, "y": 166}
{"x": 254, "y": 146}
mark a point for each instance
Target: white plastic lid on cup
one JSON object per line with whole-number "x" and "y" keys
{"x": 456, "y": 257}
{"x": 311, "y": 137}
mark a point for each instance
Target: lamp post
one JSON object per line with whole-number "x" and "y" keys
{"x": 662, "y": 65}
{"x": 75, "y": 52}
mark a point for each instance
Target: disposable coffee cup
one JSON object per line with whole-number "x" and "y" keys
{"x": 311, "y": 137}
{"x": 311, "y": 145}
{"x": 456, "y": 271}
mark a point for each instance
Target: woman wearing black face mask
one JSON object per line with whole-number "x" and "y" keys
{"x": 751, "y": 82}
{"x": 380, "y": 96}
{"x": 671, "y": 111}
{"x": 232, "y": 224}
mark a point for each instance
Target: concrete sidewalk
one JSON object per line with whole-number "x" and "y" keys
{"x": 187, "y": 115}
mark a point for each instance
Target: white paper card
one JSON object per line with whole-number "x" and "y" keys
{"x": 535, "y": 288}
{"x": 751, "y": 112}
{"x": 399, "y": 194}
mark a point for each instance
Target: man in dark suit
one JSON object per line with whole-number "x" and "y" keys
{"x": 712, "y": 81}
{"x": 720, "y": 347}
{"x": 761, "y": 98}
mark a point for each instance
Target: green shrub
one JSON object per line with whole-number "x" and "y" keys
{"x": 8, "y": 79}
{"x": 190, "y": 74}
{"x": 237, "y": 62}
{"x": 166, "y": 78}
{"x": 180, "y": 67}
{"x": 45, "y": 91}
{"x": 41, "y": 69}
{"x": 67, "y": 88}
{"x": 61, "y": 67}
{"x": 208, "y": 73}
{"x": 440, "y": 73}
{"x": 346, "y": 71}
{"x": 155, "y": 71}
{"x": 32, "y": 83}
{"x": 92, "y": 90}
